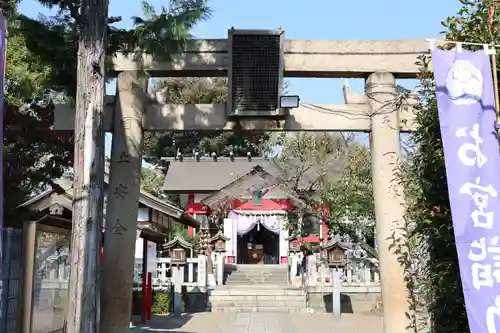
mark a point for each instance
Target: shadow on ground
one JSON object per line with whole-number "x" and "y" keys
{"x": 164, "y": 322}
{"x": 146, "y": 329}
{"x": 345, "y": 303}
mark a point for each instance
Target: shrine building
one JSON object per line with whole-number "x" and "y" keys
{"x": 259, "y": 206}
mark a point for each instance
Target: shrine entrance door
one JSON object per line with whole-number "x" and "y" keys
{"x": 258, "y": 246}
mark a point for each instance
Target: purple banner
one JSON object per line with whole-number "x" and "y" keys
{"x": 467, "y": 117}
{"x": 3, "y": 50}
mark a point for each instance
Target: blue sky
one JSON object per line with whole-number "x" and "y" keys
{"x": 314, "y": 19}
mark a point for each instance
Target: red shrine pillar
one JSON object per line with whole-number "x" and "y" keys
{"x": 194, "y": 208}
{"x": 189, "y": 210}
{"x": 102, "y": 243}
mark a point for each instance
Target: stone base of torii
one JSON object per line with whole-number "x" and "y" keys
{"x": 379, "y": 62}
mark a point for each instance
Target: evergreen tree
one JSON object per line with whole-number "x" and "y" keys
{"x": 42, "y": 69}
{"x": 33, "y": 154}
{"x": 199, "y": 91}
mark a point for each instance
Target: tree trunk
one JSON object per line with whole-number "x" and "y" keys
{"x": 83, "y": 300}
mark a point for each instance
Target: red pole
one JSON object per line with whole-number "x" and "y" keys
{"x": 144, "y": 300}
{"x": 150, "y": 295}
{"x": 102, "y": 244}
{"x": 144, "y": 292}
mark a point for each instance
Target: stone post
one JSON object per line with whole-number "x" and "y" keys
{"x": 190, "y": 272}
{"x": 220, "y": 268}
{"x": 294, "y": 262}
{"x": 178, "y": 279}
{"x": 122, "y": 203}
{"x": 389, "y": 199}
{"x": 336, "y": 305}
{"x": 202, "y": 270}
{"x": 28, "y": 270}
{"x": 210, "y": 271}
{"x": 312, "y": 273}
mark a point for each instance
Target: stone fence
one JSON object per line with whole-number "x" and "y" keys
{"x": 357, "y": 274}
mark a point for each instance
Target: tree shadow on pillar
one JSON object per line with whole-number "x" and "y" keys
{"x": 400, "y": 246}
{"x": 428, "y": 254}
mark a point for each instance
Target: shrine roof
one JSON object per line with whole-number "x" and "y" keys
{"x": 64, "y": 196}
{"x": 207, "y": 175}
{"x": 247, "y": 186}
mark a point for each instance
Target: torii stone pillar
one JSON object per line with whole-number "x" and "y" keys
{"x": 122, "y": 203}
{"x": 389, "y": 199}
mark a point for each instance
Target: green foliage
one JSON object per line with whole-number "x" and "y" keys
{"x": 179, "y": 229}
{"x": 55, "y": 39}
{"x": 162, "y": 301}
{"x": 350, "y": 198}
{"x": 26, "y": 74}
{"x": 152, "y": 181}
{"x": 33, "y": 155}
{"x": 198, "y": 91}
{"x": 310, "y": 160}
{"x": 429, "y": 209}
{"x": 470, "y": 24}
{"x": 333, "y": 171}
{"x": 167, "y": 33}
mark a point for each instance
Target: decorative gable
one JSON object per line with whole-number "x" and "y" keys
{"x": 246, "y": 186}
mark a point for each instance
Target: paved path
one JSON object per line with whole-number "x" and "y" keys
{"x": 262, "y": 323}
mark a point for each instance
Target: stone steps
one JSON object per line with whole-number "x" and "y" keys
{"x": 257, "y": 274}
{"x": 253, "y": 296}
{"x": 257, "y": 302}
{"x": 259, "y": 309}
{"x": 255, "y": 280}
{"x": 270, "y": 298}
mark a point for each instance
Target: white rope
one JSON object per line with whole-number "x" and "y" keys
{"x": 486, "y": 46}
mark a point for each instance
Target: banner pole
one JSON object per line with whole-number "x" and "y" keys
{"x": 491, "y": 14}
{"x": 495, "y": 86}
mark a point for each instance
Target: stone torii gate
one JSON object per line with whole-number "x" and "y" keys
{"x": 379, "y": 62}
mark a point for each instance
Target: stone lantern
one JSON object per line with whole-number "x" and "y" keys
{"x": 177, "y": 249}
{"x": 335, "y": 253}
{"x": 336, "y": 260}
{"x": 219, "y": 242}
